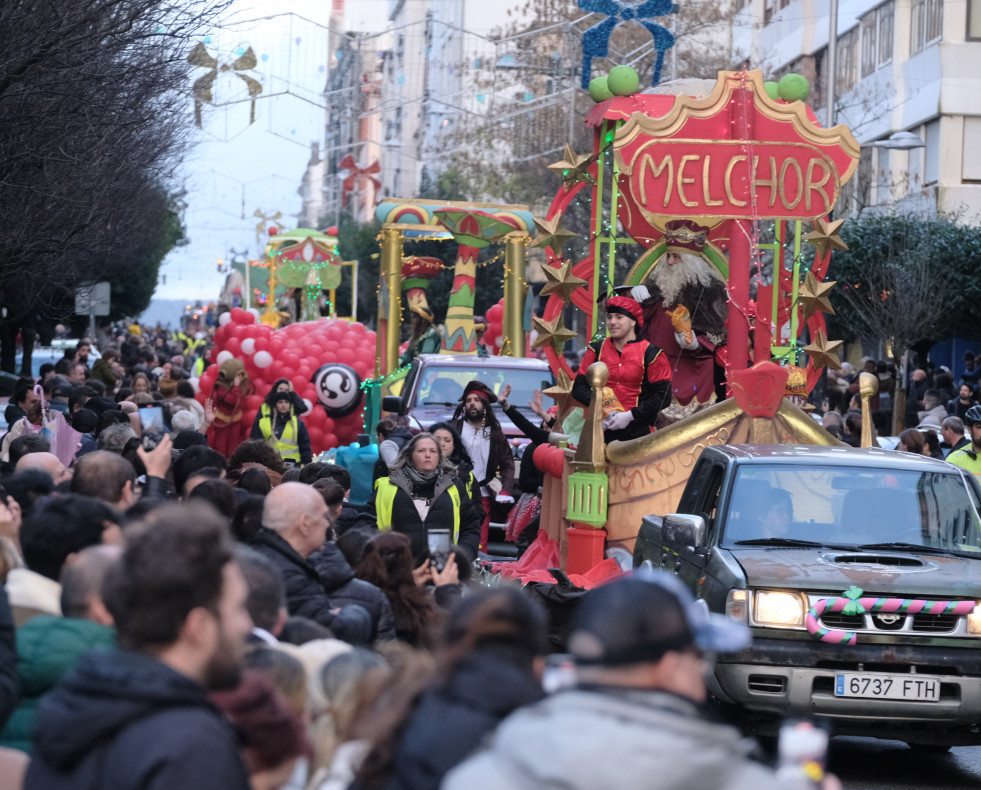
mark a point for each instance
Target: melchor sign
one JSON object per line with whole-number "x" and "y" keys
{"x": 736, "y": 154}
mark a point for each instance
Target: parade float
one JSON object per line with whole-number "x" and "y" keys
{"x": 729, "y": 173}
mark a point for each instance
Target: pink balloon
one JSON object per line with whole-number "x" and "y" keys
{"x": 262, "y": 359}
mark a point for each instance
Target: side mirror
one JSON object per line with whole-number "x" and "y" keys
{"x": 684, "y": 530}
{"x": 392, "y": 403}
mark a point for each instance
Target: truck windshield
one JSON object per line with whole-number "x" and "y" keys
{"x": 443, "y": 384}
{"x": 854, "y": 506}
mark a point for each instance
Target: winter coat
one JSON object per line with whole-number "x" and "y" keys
{"x": 405, "y": 518}
{"x": 102, "y": 371}
{"x": 125, "y": 720}
{"x": 9, "y": 684}
{"x": 453, "y": 719}
{"x": 343, "y": 588}
{"x": 47, "y": 648}
{"x": 626, "y": 739}
{"x": 305, "y": 594}
{"x": 530, "y": 477}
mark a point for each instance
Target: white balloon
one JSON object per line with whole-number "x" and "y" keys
{"x": 224, "y": 318}
{"x": 255, "y": 312}
{"x": 262, "y": 359}
{"x": 223, "y": 355}
{"x": 307, "y": 403}
{"x": 248, "y": 345}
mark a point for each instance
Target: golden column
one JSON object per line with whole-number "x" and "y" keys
{"x": 388, "y": 341}
{"x": 513, "y": 331}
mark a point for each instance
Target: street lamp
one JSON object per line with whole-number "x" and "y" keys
{"x": 900, "y": 141}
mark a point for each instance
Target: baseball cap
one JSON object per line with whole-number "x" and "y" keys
{"x": 644, "y": 616}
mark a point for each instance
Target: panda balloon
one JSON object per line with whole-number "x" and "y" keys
{"x": 338, "y": 389}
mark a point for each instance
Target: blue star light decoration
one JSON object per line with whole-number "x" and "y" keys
{"x": 595, "y": 41}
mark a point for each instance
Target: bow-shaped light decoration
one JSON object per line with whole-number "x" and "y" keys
{"x": 595, "y": 41}
{"x": 202, "y": 89}
{"x": 356, "y": 174}
{"x": 260, "y": 226}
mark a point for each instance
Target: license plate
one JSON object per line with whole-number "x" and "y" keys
{"x": 907, "y": 687}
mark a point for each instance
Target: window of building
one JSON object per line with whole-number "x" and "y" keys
{"x": 974, "y": 20}
{"x": 931, "y": 166}
{"x": 867, "y": 28}
{"x": 884, "y": 18}
{"x": 863, "y": 179}
{"x": 847, "y": 65}
{"x": 876, "y": 30}
{"x": 971, "y": 169}
{"x": 926, "y": 23}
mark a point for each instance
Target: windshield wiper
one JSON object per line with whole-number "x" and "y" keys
{"x": 900, "y": 546}
{"x": 437, "y": 403}
{"x": 810, "y": 544}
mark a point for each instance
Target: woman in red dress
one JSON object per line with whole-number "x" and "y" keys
{"x": 231, "y": 391}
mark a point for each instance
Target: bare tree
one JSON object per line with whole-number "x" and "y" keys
{"x": 93, "y": 119}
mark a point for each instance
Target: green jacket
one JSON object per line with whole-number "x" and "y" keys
{"x": 102, "y": 371}
{"x": 47, "y": 648}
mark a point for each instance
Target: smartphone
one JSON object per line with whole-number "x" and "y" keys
{"x": 152, "y": 422}
{"x": 439, "y": 548}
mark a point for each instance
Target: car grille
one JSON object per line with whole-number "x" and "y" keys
{"x": 877, "y": 622}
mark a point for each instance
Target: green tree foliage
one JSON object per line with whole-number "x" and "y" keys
{"x": 907, "y": 279}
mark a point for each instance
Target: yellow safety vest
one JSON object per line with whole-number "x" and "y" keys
{"x": 286, "y": 445}
{"x": 385, "y": 491}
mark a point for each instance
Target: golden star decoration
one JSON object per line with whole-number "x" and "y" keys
{"x": 552, "y": 233}
{"x": 573, "y": 168}
{"x": 823, "y": 352}
{"x": 825, "y": 236}
{"x": 561, "y": 393}
{"x": 553, "y": 332}
{"x": 561, "y": 281}
{"x": 813, "y": 296}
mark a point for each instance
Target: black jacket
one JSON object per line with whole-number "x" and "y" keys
{"x": 9, "y": 683}
{"x": 530, "y": 477}
{"x": 453, "y": 718}
{"x": 305, "y": 594}
{"x": 338, "y": 580}
{"x": 406, "y": 519}
{"x": 125, "y": 720}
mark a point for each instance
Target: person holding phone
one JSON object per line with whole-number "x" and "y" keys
{"x": 284, "y": 430}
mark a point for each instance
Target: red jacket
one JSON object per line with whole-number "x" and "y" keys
{"x": 640, "y": 376}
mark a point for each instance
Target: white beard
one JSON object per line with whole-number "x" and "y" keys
{"x": 692, "y": 269}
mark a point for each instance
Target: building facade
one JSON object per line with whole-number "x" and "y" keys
{"x": 901, "y": 66}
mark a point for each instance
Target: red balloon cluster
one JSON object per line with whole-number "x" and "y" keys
{"x": 550, "y": 460}
{"x": 494, "y": 336}
{"x": 295, "y": 352}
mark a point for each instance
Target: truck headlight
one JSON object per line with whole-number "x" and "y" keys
{"x": 778, "y": 608}
{"x": 974, "y": 620}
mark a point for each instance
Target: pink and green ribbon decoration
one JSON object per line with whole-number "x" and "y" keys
{"x": 851, "y": 602}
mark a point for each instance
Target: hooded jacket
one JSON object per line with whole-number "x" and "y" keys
{"x": 338, "y": 580}
{"x": 47, "y": 648}
{"x": 623, "y": 738}
{"x": 125, "y": 720}
{"x": 453, "y": 718}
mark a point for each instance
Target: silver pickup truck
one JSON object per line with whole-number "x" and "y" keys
{"x": 858, "y": 572}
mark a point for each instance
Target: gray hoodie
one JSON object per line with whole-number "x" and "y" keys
{"x": 617, "y": 738}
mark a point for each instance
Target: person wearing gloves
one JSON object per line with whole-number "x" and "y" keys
{"x": 640, "y": 373}
{"x": 284, "y": 430}
{"x": 488, "y": 447}
{"x": 685, "y": 306}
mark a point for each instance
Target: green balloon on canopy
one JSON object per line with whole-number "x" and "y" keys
{"x": 599, "y": 89}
